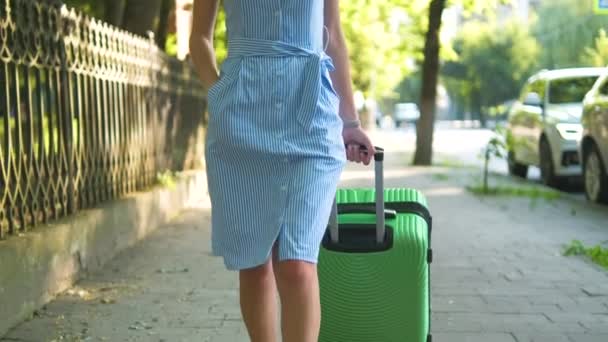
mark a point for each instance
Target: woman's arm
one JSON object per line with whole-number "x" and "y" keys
{"x": 337, "y": 50}
{"x": 353, "y": 134}
{"x": 201, "y": 40}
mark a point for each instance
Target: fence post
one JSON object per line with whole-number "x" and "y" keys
{"x": 67, "y": 118}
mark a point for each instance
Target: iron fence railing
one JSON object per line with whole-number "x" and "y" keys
{"x": 88, "y": 112}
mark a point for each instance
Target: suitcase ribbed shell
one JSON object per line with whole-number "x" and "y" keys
{"x": 378, "y": 296}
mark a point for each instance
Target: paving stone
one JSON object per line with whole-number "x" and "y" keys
{"x": 541, "y": 338}
{"x": 473, "y": 337}
{"x": 552, "y": 299}
{"x": 596, "y": 291}
{"x": 442, "y": 303}
{"x": 589, "y": 337}
{"x": 500, "y": 322}
{"x": 585, "y": 305}
{"x": 517, "y": 304}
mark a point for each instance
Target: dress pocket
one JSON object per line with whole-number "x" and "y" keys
{"x": 229, "y": 71}
{"x": 328, "y": 84}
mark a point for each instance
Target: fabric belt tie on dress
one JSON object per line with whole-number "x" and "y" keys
{"x": 315, "y": 67}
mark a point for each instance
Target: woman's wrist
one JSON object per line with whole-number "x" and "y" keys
{"x": 351, "y": 123}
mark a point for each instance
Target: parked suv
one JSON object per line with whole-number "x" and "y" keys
{"x": 544, "y": 126}
{"x": 594, "y": 145}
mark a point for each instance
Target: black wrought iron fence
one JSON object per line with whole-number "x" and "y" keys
{"x": 87, "y": 113}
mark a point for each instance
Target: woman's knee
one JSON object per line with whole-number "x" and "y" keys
{"x": 260, "y": 275}
{"x": 296, "y": 273}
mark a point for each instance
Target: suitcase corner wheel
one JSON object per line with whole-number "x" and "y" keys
{"x": 374, "y": 266}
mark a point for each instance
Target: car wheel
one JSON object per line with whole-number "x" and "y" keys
{"x": 547, "y": 169}
{"x": 595, "y": 177}
{"x": 515, "y": 168}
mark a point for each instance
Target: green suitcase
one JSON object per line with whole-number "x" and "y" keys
{"x": 374, "y": 265}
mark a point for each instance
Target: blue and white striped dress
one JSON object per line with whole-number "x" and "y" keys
{"x": 274, "y": 147}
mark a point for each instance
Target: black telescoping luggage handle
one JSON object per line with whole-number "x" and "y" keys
{"x": 380, "y": 211}
{"x": 364, "y": 208}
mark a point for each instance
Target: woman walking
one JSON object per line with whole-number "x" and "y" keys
{"x": 281, "y": 111}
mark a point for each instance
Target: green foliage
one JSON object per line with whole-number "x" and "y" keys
{"x": 531, "y": 192}
{"x": 493, "y": 62}
{"x": 219, "y": 38}
{"x": 92, "y": 8}
{"x": 485, "y": 8}
{"x": 597, "y": 254}
{"x": 441, "y": 177}
{"x": 576, "y": 247}
{"x": 171, "y": 44}
{"x": 495, "y": 148}
{"x": 105, "y": 10}
{"x": 410, "y": 87}
{"x": 449, "y": 162}
{"x": 380, "y": 36}
{"x": 597, "y": 55}
{"x": 564, "y": 29}
{"x": 166, "y": 179}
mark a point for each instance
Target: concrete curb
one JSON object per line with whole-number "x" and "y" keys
{"x": 49, "y": 259}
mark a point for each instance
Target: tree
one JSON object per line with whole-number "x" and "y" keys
{"x": 141, "y": 16}
{"x": 597, "y": 55}
{"x": 136, "y": 16}
{"x": 114, "y": 11}
{"x": 564, "y": 29}
{"x": 430, "y": 70}
{"x": 93, "y": 8}
{"x": 380, "y": 38}
{"x": 167, "y": 8}
{"x": 494, "y": 60}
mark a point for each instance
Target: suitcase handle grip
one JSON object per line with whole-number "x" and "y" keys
{"x": 380, "y": 212}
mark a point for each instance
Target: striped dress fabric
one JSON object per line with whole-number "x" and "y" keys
{"x": 274, "y": 147}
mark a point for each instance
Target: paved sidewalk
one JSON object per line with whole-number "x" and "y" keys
{"x": 498, "y": 275}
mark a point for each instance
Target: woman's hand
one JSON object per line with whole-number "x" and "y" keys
{"x": 354, "y": 138}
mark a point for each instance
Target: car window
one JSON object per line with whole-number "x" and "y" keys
{"x": 539, "y": 88}
{"x": 570, "y": 90}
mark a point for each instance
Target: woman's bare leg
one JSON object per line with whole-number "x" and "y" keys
{"x": 259, "y": 305}
{"x": 298, "y": 287}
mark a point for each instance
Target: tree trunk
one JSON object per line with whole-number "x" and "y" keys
{"x": 476, "y": 106}
{"x": 141, "y": 16}
{"x": 163, "y": 25}
{"x": 428, "y": 98}
{"x": 115, "y": 10}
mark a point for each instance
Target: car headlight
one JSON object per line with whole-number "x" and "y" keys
{"x": 570, "y": 131}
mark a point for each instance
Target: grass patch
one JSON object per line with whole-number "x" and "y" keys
{"x": 450, "y": 163}
{"x": 167, "y": 179}
{"x": 441, "y": 177}
{"x": 515, "y": 191}
{"x": 597, "y": 254}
